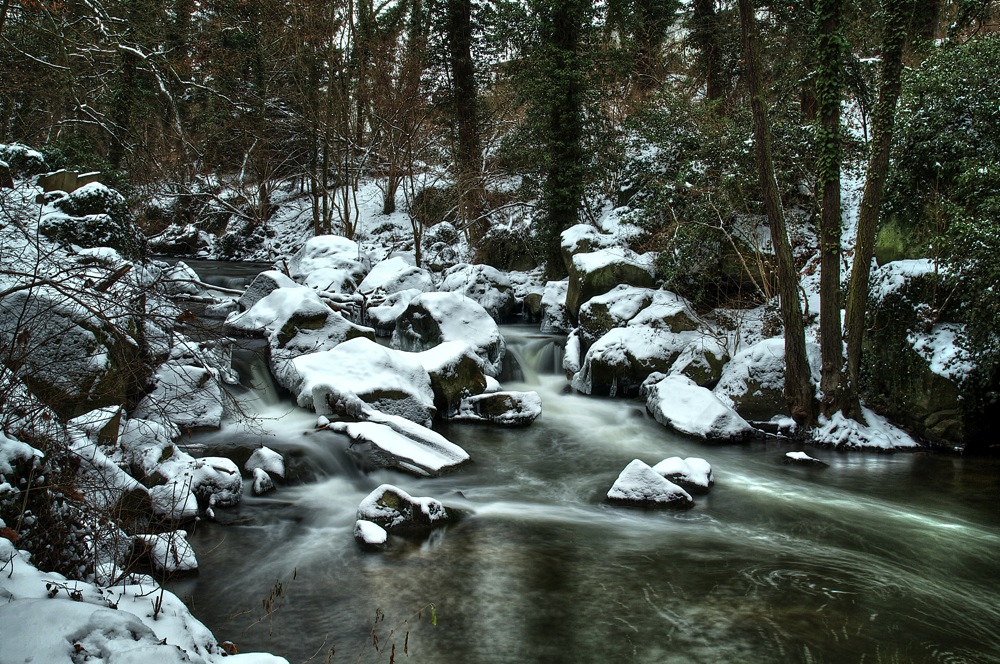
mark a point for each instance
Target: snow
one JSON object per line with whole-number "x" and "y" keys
{"x": 459, "y": 319}
{"x": 262, "y": 482}
{"x": 596, "y": 260}
{"x": 41, "y": 623}
{"x": 800, "y": 456}
{"x": 891, "y": 277}
{"x": 555, "y": 316}
{"x": 170, "y": 552}
{"x": 844, "y": 433}
{"x": 394, "y": 275}
{"x": 370, "y": 533}
{"x": 943, "y": 352}
{"x": 677, "y": 402}
{"x": 332, "y": 252}
{"x": 382, "y": 312}
{"x": 640, "y": 484}
{"x": 273, "y": 311}
{"x": 187, "y": 396}
{"x": 762, "y": 363}
{"x": 420, "y": 451}
{"x": 391, "y": 507}
{"x": 629, "y": 350}
{"x": 488, "y": 286}
{"x": 266, "y": 459}
{"x": 359, "y": 370}
{"x": 694, "y": 471}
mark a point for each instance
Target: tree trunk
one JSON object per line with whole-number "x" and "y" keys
{"x": 830, "y": 52}
{"x": 798, "y": 390}
{"x": 705, "y": 34}
{"x": 468, "y": 152}
{"x": 884, "y": 119}
{"x": 564, "y": 181}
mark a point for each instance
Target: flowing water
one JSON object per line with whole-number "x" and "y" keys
{"x": 877, "y": 558}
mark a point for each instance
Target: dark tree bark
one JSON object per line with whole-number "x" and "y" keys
{"x": 564, "y": 182}
{"x": 468, "y": 152}
{"x": 798, "y": 390}
{"x": 705, "y": 35}
{"x": 829, "y": 85}
{"x": 898, "y": 14}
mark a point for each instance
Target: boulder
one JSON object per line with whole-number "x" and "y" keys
{"x": 370, "y": 535}
{"x": 339, "y": 257}
{"x": 641, "y": 486}
{"x": 753, "y": 382}
{"x": 92, "y": 216}
{"x": 702, "y": 361}
{"x": 629, "y": 305}
{"x": 456, "y": 372}
{"x": 263, "y": 285}
{"x": 360, "y": 375}
{"x": 391, "y": 442}
{"x": 381, "y": 311}
{"x": 434, "y": 318}
{"x": 394, "y": 275}
{"x": 555, "y": 315}
{"x": 802, "y": 459}
{"x": 501, "y": 408}
{"x": 168, "y": 553}
{"x": 177, "y": 240}
{"x": 266, "y": 459}
{"x": 68, "y": 357}
{"x": 692, "y": 474}
{"x": 596, "y": 273}
{"x": 187, "y": 396}
{"x": 485, "y": 284}
{"x": 394, "y": 510}
{"x": 582, "y": 239}
{"x": 679, "y": 403}
{"x": 621, "y": 360}
{"x": 531, "y": 307}
{"x": 915, "y": 371}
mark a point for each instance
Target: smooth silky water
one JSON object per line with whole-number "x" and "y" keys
{"x": 877, "y": 558}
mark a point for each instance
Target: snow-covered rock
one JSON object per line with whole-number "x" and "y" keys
{"x": 45, "y": 618}
{"x": 555, "y": 315}
{"x": 394, "y": 275}
{"x": 802, "y": 459}
{"x": 359, "y": 375}
{"x": 620, "y": 361}
{"x": 640, "y": 485}
{"x": 370, "y": 535}
{"x": 692, "y": 474}
{"x": 393, "y": 442}
{"x": 753, "y": 382}
{"x": 395, "y": 510}
{"x": 596, "y": 273}
{"x": 187, "y": 396}
{"x": 875, "y": 433}
{"x": 679, "y": 403}
{"x": 169, "y": 553}
{"x": 262, "y": 482}
{"x": 180, "y": 279}
{"x": 501, "y": 408}
{"x": 434, "y": 318}
{"x": 629, "y": 305}
{"x": 262, "y": 285}
{"x": 702, "y": 361}
{"x": 456, "y": 372}
{"x": 324, "y": 258}
{"x": 381, "y": 311}
{"x": 266, "y": 459}
{"x": 485, "y": 284}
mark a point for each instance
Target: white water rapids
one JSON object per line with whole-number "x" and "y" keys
{"x": 877, "y": 558}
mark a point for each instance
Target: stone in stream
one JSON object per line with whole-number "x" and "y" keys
{"x": 485, "y": 284}
{"x": 677, "y": 402}
{"x": 370, "y": 535}
{"x": 395, "y": 510}
{"x": 692, "y": 474}
{"x": 389, "y": 441}
{"x": 641, "y": 486}
{"x": 517, "y": 409}
{"x": 802, "y": 459}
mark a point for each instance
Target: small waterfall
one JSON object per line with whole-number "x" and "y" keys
{"x": 531, "y": 354}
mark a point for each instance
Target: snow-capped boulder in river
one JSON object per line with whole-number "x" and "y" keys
{"x": 381, "y": 311}
{"x": 330, "y": 262}
{"x": 395, "y": 510}
{"x": 359, "y": 375}
{"x": 555, "y": 315}
{"x": 394, "y": 275}
{"x": 485, "y": 284}
{"x": 434, "y": 318}
{"x": 456, "y": 372}
{"x": 516, "y": 409}
{"x": 692, "y": 474}
{"x": 598, "y": 272}
{"x": 679, "y": 403}
{"x": 642, "y": 486}
{"x": 262, "y": 285}
{"x": 620, "y": 361}
{"x": 627, "y": 305}
{"x": 393, "y": 442}
{"x": 370, "y": 535}
{"x": 753, "y": 381}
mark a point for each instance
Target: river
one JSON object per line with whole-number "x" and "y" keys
{"x": 876, "y": 558}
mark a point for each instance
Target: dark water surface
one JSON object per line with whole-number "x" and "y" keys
{"x": 878, "y": 558}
